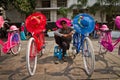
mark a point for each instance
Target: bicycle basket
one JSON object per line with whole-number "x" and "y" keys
{"x": 15, "y": 37}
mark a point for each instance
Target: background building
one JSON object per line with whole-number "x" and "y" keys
{"x": 2, "y": 12}
{"x": 50, "y": 9}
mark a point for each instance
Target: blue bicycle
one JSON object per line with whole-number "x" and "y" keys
{"x": 83, "y": 45}
{"x": 83, "y": 25}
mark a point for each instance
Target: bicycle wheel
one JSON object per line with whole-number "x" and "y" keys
{"x": 88, "y": 56}
{"x": 0, "y": 51}
{"x": 102, "y": 50}
{"x": 31, "y": 56}
{"x": 15, "y": 44}
{"x": 119, "y": 50}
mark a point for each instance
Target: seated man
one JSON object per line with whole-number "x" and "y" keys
{"x": 63, "y": 37}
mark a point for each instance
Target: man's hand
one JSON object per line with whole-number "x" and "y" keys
{"x": 65, "y": 35}
{"x": 68, "y": 35}
{"x": 71, "y": 33}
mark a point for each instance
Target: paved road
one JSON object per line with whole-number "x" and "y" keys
{"x": 107, "y": 67}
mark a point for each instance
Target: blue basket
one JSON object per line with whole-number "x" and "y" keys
{"x": 15, "y": 37}
{"x": 58, "y": 52}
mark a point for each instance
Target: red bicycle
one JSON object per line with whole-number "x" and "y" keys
{"x": 35, "y": 24}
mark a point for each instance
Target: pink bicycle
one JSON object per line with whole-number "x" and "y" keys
{"x": 13, "y": 42}
{"x": 105, "y": 41}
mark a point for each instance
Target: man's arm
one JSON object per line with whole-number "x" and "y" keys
{"x": 57, "y": 32}
{"x": 69, "y": 34}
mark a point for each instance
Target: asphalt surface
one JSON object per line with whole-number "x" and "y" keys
{"x": 107, "y": 66}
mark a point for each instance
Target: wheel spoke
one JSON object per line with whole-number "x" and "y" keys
{"x": 88, "y": 56}
{"x": 15, "y": 44}
{"x": 31, "y": 56}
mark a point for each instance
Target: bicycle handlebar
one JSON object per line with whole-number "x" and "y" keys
{"x": 12, "y": 30}
{"x": 106, "y": 30}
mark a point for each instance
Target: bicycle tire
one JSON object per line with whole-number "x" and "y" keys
{"x": 119, "y": 50}
{"x": 88, "y": 56}
{"x": 102, "y": 50}
{"x": 15, "y": 43}
{"x": 31, "y": 58}
{"x": 0, "y": 51}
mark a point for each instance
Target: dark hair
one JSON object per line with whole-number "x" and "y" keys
{"x": 63, "y": 21}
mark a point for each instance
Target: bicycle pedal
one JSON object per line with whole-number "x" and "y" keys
{"x": 8, "y": 53}
{"x": 73, "y": 48}
{"x": 87, "y": 55}
{"x": 56, "y": 62}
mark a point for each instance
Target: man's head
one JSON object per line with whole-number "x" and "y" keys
{"x": 64, "y": 24}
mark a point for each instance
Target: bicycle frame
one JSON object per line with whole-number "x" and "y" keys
{"x": 6, "y": 46}
{"x": 106, "y": 40}
{"x": 39, "y": 40}
{"x": 78, "y": 43}
{"x": 83, "y": 43}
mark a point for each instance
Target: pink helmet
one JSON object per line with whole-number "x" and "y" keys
{"x": 13, "y": 27}
{"x": 104, "y": 27}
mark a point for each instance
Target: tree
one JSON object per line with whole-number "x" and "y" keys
{"x": 81, "y": 5}
{"x": 107, "y": 7}
{"x": 4, "y": 4}
{"x": 111, "y": 11}
{"x": 24, "y": 6}
{"x": 98, "y": 6}
{"x": 63, "y": 11}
